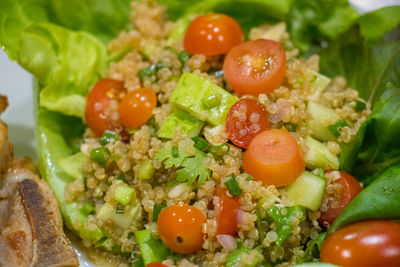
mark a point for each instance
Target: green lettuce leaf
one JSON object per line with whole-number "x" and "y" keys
{"x": 66, "y": 62}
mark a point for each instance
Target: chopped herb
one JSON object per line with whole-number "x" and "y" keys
{"x": 165, "y": 155}
{"x": 130, "y": 235}
{"x": 211, "y": 101}
{"x": 88, "y": 209}
{"x": 85, "y": 183}
{"x": 136, "y": 260}
{"x": 319, "y": 172}
{"x": 157, "y": 208}
{"x": 360, "y": 105}
{"x": 116, "y": 249}
{"x": 171, "y": 183}
{"x": 151, "y": 70}
{"x": 100, "y": 155}
{"x": 119, "y": 211}
{"x": 200, "y": 143}
{"x": 183, "y": 56}
{"x": 233, "y": 186}
{"x": 193, "y": 169}
{"x": 108, "y": 136}
{"x": 121, "y": 177}
{"x": 175, "y": 151}
{"x": 337, "y": 127}
{"x": 132, "y": 131}
{"x": 220, "y": 150}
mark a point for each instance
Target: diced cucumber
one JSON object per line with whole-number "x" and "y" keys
{"x": 318, "y": 156}
{"x": 108, "y": 212}
{"x": 152, "y": 250}
{"x": 307, "y": 191}
{"x": 146, "y": 170}
{"x": 124, "y": 194}
{"x": 192, "y": 91}
{"x": 73, "y": 165}
{"x": 322, "y": 118}
{"x": 190, "y": 125}
{"x": 320, "y": 81}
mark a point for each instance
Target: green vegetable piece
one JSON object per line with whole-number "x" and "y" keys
{"x": 124, "y": 194}
{"x": 220, "y": 150}
{"x": 100, "y": 155}
{"x": 337, "y": 127}
{"x": 72, "y": 165}
{"x": 183, "y": 56}
{"x": 136, "y": 260}
{"x": 152, "y": 250}
{"x": 211, "y": 101}
{"x": 233, "y": 259}
{"x": 318, "y": 156}
{"x": 108, "y": 136}
{"x": 320, "y": 81}
{"x": 88, "y": 209}
{"x": 150, "y": 71}
{"x": 193, "y": 169}
{"x": 200, "y": 143}
{"x": 322, "y": 118}
{"x": 233, "y": 186}
{"x": 179, "y": 30}
{"x": 122, "y": 220}
{"x": 188, "y": 124}
{"x": 189, "y": 93}
{"x": 313, "y": 247}
{"x": 157, "y": 208}
{"x": 307, "y": 191}
{"x": 146, "y": 170}
{"x": 282, "y": 216}
{"x": 360, "y": 105}
{"x": 119, "y": 211}
{"x": 166, "y": 155}
{"x": 105, "y": 243}
{"x": 175, "y": 151}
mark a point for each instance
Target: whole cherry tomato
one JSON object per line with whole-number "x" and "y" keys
{"x": 367, "y": 244}
{"x": 212, "y": 34}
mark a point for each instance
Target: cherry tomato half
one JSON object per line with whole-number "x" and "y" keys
{"x": 246, "y": 119}
{"x": 180, "y": 228}
{"x": 97, "y": 105}
{"x": 350, "y": 189}
{"x": 226, "y": 212}
{"x": 137, "y": 107}
{"x": 366, "y": 244}
{"x": 155, "y": 264}
{"x": 212, "y": 34}
{"x": 274, "y": 158}
{"x": 255, "y": 67}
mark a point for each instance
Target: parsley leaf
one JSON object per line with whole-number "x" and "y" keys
{"x": 170, "y": 157}
{"x": 193, "y": 168}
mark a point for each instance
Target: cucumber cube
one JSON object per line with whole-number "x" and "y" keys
{"x": 318, "y": 156}
{"x": 322, "y": 118}
{"x": 190, "y": 125}
{"x": 320, "y": 81}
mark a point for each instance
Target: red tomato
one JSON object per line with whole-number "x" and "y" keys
{"x": 97, "y": 104}
{"x": 367, "y": 244}
{"x": 212, "y": 34}
{"x": 180, "y": 228}
{"x": 350, "y": 189}
{"x": 246, "y": 119}
{"x": 155, "y": 264}
{"x": 226, "y": 212}
{"x": 274, "y": 158}
{"x": 137, "y": 107}
{"x": 255, "y": 67}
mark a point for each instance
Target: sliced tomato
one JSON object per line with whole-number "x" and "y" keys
{"x": 255, "y": 67}
{"x": 137, "y": 107}
{"x": 367, "y": 244}
{"x": 246, "y": 119}
{"x": 350, "y": 189}
{"x": 226, "y": 212}
{"x": 274, "y": 158}
{"x": 212, "y": 34}
{"x": 97, "y": 105}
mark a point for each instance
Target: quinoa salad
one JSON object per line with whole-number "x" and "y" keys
{"x": 175, "y": 169}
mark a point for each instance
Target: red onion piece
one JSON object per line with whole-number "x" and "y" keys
{"x": 227, "y": 241}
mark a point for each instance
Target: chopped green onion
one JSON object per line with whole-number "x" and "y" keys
{"x": 175, "y": 151}
{"x": 100, "y": 155}
{"x": 183, "y": 56}
{"x": 124, "y": 194}
{"x": 108, "y": 136}
{"x": 85, "y": 183}
{"x": 360, "y": 105}
{"x": 146, "y": 170}
{"x": 233, "y": 186}
{"x": 87, "y": 209}
{"x": 337, "y": 127}
{"x": 220, "y": 150}
{"x": 151, "y": 70}
{"x": 200, "y": 143}
{"x": 211, "y": 101}
{"x": 119, "y": 211}
{"x": 103, "y": 243}
{"x": 157, "y": 208}
{"x": 170, "y": 48}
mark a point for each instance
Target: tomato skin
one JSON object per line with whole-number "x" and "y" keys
{"x": 350, "y": 190}
{"x": 274, "y": 158}
{"x": 255, "y": 67}
{"x": 367, "y": 244}
{"x": 226, "y": 212}
{"x": 155, "y": 264}
{"x": 137, "y": 107}
{"x": 97, "y": 103}
{"x": 180, "y": 228}
{"x": 212, "y": 34}
{"x": 254, "y": 121}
